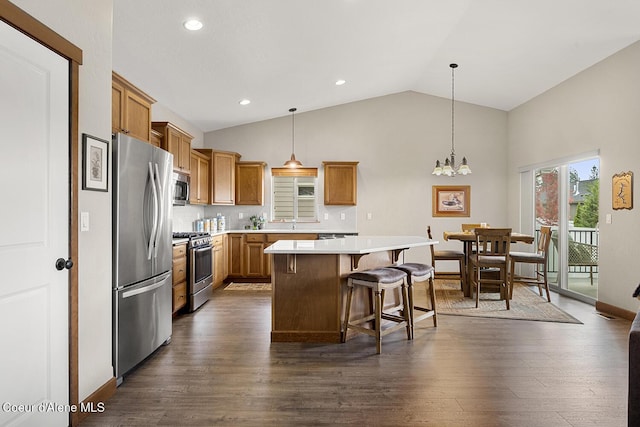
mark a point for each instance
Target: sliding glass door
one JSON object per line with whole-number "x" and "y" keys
{"x": 566, "y": 197}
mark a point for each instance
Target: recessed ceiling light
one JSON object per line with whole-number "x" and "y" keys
{"x": 192, "y": 24}
{"x": 340, "y": 82}
{"x": 244, "y": 102}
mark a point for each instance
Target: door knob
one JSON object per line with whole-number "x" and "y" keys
{"x": 61, "y": 264}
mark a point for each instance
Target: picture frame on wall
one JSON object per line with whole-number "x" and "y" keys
{"x": 95, "y": 163}
{"x": 451, "y": 200}
{"x": 622, "y": 191}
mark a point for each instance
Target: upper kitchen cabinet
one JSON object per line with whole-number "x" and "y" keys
{"x": 223, "y": 175}
{"x": 250, "y": 183}
{"x": 199, "y": 187}
{"x": 177, "y": 142}
{"x": 340, "y": 183}
{"x": 130, "y": 109}
{"x": 156, "y": 138}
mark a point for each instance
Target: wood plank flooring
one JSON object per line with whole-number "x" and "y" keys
{"x": 221, "y": 369}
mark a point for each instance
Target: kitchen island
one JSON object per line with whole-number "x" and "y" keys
{"x": 308, "y": 279}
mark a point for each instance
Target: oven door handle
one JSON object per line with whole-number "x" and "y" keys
{"x": 206, "y": 248}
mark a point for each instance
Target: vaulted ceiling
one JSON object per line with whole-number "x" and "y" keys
{"x": 289, "y": 53}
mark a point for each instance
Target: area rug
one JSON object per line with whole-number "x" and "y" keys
{"x": 525, "y": 305}
{"x": 238, "y": 286}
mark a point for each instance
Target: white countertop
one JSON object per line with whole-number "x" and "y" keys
{"x": 348, "y": 245}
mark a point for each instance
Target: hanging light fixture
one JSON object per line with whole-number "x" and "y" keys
{"x": 292, "y": 162}
{"x": 449, "y": 168}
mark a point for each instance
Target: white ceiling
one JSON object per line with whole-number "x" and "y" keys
{"x": 288, "y": 53}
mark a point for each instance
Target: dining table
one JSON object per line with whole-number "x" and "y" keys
{"x": 468, "y": 238}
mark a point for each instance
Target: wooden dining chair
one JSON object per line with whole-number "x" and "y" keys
{"x": 448, "y": 255}
{"x": 539, "y": 258}
{"x": 493, "y": 252}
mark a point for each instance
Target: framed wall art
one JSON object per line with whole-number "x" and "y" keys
{"x": 95, "y": 158}
{"x": 451, "y": 200}
{"x": 622, "y": 190}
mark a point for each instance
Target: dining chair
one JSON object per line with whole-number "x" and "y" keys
{"x": 469, "y": 227}
{"x": 539, "y": 258}
{"x": 493, "y": 252}
{"x": 448, "y": 255}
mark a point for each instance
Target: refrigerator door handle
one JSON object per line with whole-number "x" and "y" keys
{"x": 160, "y": 215}
{"x": 154, "y": 227}
{"x": 138, "y": 291}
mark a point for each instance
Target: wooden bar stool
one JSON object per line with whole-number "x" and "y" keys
{"x": 378, "y": 281}
{"x": 417, "y": 273}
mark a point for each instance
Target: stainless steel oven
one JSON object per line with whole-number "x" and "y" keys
{"x": 200, "y": 270}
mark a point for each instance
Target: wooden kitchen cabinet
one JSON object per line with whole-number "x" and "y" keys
{"x": 219, "y": 260}
{"x": 236, "y": 255}
{"x": 179, "y": 277}
{"x": 130, "y": 109}
{"x": 156, "y": 138}
{"x": 250, "y": 183}
{"x": 177, "y": 142}
{"x": 255, "y": 262}
{"x": 247, "y": 259}
{"x": 222, "y": 175}
{"x": 199, "y": 186}
{"x": 340, "y": 183}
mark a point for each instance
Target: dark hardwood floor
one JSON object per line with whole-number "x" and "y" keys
{"x": 221, "y": 369}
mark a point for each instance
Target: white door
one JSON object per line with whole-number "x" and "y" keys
{"x": 34, "y": 232}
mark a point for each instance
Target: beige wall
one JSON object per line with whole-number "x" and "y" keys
{"x": 88, "y": 26}
{"x": 397, "y": 139}
{"x": 598, "y": 109}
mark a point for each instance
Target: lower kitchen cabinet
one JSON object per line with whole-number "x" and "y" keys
{"x": 179, "y": 276}
{"x": 219, "y": 260}
{"x": 247, "y": 259}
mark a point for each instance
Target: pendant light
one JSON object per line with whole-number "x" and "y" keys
{"x": 292, "y": 162}
{"x": 449, "y": 168}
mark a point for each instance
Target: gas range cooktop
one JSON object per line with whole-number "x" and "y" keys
{"x": 188, "y": 234}
{"x": 197, "y": 239}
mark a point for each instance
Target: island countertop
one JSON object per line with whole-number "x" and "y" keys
{"x": 348, "y": 245}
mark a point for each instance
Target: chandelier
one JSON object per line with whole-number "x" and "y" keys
{"x": 292, "y": 162}
{"x": 449, "y": 168}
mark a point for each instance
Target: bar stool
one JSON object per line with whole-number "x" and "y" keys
{"x": 377, "y": 281}
{"x": 416, "y": 273}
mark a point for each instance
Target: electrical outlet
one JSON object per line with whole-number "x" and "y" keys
{"x": 326, "y": 216}
{"x": 240, "y": 215}
{"x": 369, "y": 215}
{"x": 343, "y": 216}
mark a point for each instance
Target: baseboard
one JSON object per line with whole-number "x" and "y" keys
{"x": 96, "y": 400}
{"x": 615, "y": 311}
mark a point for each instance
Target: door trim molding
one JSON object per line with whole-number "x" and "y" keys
{"x": 39, "y": 32}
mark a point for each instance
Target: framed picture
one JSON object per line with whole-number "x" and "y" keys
{"x": 95, "y": 157}
{"x": 622, "y": 190}
{"x": 451, "y": 200}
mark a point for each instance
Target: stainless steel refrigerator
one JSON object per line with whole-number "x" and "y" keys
{"x": 142, "y": 251}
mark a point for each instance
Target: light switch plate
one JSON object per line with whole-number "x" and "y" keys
{"x": 608, "y": 218}
{"x": 84, "y": 221}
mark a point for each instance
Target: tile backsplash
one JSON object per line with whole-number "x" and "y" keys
{"x": 337, "y": 217}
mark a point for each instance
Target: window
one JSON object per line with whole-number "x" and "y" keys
{"x": 294, "y": 194}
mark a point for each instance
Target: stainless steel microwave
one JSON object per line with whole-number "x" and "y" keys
{"x": 180, "y": 189}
